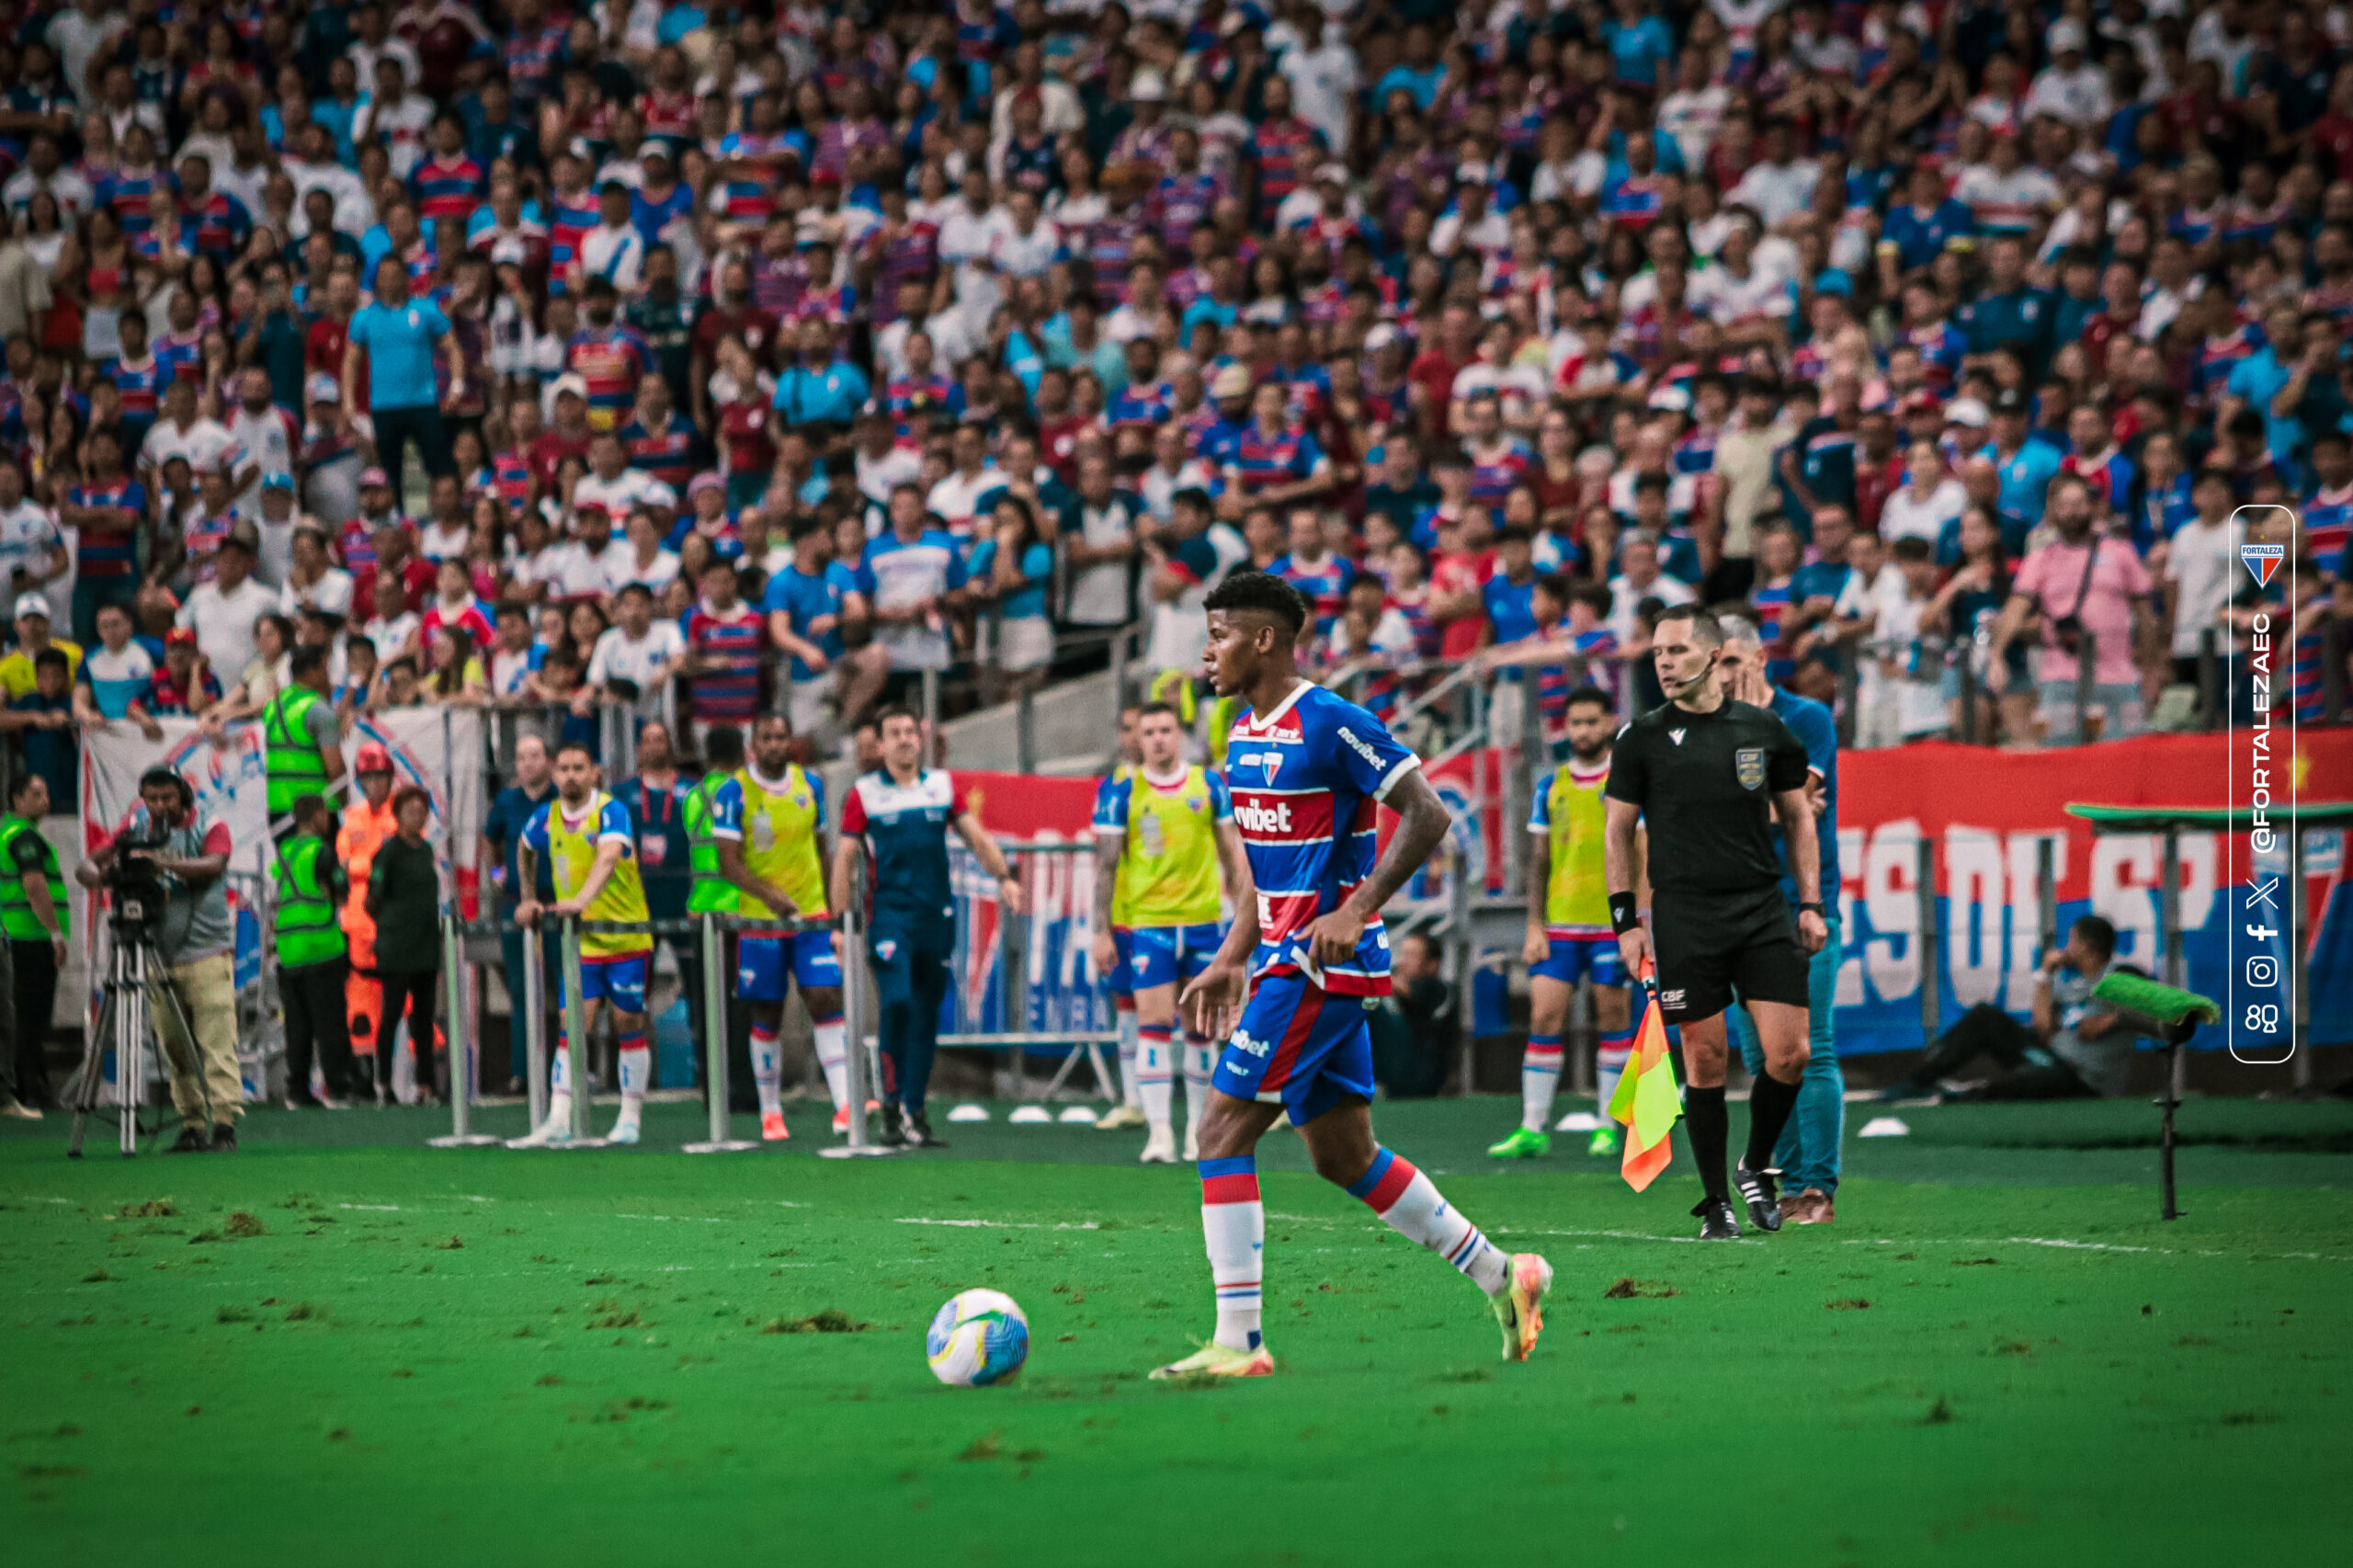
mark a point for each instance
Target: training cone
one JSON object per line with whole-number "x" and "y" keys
{"x": 1647, "y": 1100}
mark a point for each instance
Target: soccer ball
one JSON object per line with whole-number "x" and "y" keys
{"x": 979, "y": 1338}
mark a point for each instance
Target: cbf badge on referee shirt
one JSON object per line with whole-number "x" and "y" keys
{"x": 1748, "y": 767}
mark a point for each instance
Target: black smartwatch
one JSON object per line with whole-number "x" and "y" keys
{"x": 1816, "y": 908}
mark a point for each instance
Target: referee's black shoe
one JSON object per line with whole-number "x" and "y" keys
{"x": 894, "y": 1131}
{"x": 1716, "y": 1223}
{"x": 1763, "y": 1196}
{"x": 919, "y": 1134}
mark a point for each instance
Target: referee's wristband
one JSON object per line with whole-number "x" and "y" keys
{"x": 1622, "y": 917}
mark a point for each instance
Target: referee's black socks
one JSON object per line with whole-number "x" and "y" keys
{"x": 1703, "y": 1113}
{"x": 1769, "y": 1103}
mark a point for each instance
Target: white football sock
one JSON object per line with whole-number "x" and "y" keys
{"x": 767, "y": 1069}
{"x": 1393, "y": 1190}
{"x": 1199, "y": 1061}
{"x": 1608, "y": 1065}
{"x": 833, "y": 1056}
{"x": 1234, "y": 1223}
{"x": 1154, "y": 1071}
{"x": 1540, "y": 1080}
{"x": 559, "y": 1089}
{"x": 637, "y": 1068}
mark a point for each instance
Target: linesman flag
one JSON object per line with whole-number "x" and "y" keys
{"x": 1647, "y": 1100}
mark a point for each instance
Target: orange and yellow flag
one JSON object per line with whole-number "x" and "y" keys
{"x": 1647, "y": 1100}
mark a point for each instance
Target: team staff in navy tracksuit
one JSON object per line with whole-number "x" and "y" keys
{"x": 900, "y": 814}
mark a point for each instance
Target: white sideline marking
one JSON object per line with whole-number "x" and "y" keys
{"x": 378, "y": 1207}
{"x": 1000, "y": 1225}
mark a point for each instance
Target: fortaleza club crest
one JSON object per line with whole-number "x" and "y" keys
{"x": 1748, "y": 767}
{"x": 2263, "y": 562}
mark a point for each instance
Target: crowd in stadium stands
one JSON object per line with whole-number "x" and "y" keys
{"x": 538, "y": 354}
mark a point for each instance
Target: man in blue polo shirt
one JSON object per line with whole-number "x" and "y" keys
{"x": 2010, "y": 313}
{"x": 899, "y": 816}
{"x": 399, "y": 336}
{"x": 1807, "y": 1155}
{"x": 822, "y": 393}
{"x": 2025, "y": 464}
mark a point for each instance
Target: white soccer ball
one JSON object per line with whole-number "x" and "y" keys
{"x": 979, "y": 1338}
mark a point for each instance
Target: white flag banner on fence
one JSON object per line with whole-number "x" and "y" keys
{"x": 439, "y": 748}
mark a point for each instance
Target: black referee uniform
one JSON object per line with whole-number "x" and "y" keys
{"x": 1705, "y": 783}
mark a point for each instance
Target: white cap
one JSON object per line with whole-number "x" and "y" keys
{"x": 576, "y": 385}
{"x": 323, "y": 388}
{"x": 1381, "y": 337}
{"x": 33, "y": 604}
{"x": 1147, "y": 88}
{"x": 1967, "y": 411}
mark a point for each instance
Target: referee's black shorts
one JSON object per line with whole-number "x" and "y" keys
{"x": 1709, "y": 945}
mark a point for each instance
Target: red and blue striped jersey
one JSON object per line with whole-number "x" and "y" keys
{"x": 510, "y": 478}
{"x": 101, "y": 553}
{"x": 911, "y": 403}
{"x": 1771, "y": 602}
{"x": 668, "y": 114}
{"x": 568, "y": 221}
{"x": 1304, "y": 778}
{"x": 1325, "y": 583}
{"x": 610, "y": 359}
{"x": 728, "y": 686}
{"x": 532, "y": 60}
{"x": 216, "y": 227}
{"x": 1107, "y": 244}
{"x": 1415, "y": 607}
{"x": 127, "y": 194}
{"x": 1942, "y": 349}
{"x": 1492, "y": 473}
{"x": 669, "y": 457}
{"x": 141, "y": 386}
{"x": 181, "y": 353}
{"x": 1137, "y": 406}
{"x": 1636, "y": 201}
{"x": 1287, "y": 151}
{"x": 2328, "y": 524}
{"x": 2216, "y": 357}
{"x": 1284, "y": 457}
{"x": 1180, "y": 203}
{"x": 447, "y": 190}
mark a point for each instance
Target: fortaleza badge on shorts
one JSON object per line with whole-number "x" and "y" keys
{"x": 2263, "y": 560}
{"x": 1748, "y": 767}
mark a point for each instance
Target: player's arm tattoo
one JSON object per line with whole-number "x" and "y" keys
{"x": 1805, "y": 849}
{"x": 1540, "y": 874}
{"x": 1620, "y": 820}
{"x": 1423, "y": 826}
{"x": 1108, "y": 851}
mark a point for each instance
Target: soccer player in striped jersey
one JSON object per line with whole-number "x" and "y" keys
{"x": 1168, "y": 829}
{"x": 1112, "y": 921}
{"x": 1569, "y": 934}
{"x": 1307, "y": 949}
{"x": 585, "y": 836}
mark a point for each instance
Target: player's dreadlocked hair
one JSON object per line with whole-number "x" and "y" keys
{"x": 1263, "y": 592}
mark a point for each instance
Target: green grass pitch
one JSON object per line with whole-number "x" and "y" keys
{"x": 339, "y": 1346}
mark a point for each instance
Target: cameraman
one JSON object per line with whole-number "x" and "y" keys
{"x": 194, "y": 935}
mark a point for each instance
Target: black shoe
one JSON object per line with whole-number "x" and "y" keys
{"x": 894, "y": 1133}
{"x": 1763, "y": 1196}
{"x": 1716, "y": 1223}
{"x": 919, "y": 1134}
{"x": 191, "y": 1141}
{"x": 224, "y": 1139}
{"x": 304, "y": 1102}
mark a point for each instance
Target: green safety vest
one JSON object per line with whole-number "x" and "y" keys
{"x": 712, "y": 890}
{"x": 307, "y": 929}
{"x": 17, "y": 915}
{"x": 296, "y": 766}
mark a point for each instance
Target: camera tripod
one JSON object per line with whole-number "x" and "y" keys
{"x": 124, "y": 1024}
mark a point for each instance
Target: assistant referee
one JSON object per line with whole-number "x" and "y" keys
{"x": 1706, "y": 774}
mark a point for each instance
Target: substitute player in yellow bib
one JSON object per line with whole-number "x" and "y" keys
{"x": 1568, "y": 929}
{"x": 769, "y": 820}
{"x": 583, "y": 835}
{"x": 1115, "y": 974}
{"x": 1167, "y": 829}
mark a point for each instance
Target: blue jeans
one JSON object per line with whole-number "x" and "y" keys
{"x": 1807, "y": 1154}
